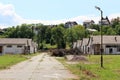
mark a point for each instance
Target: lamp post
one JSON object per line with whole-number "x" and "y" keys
{"x": 101, "y": 50}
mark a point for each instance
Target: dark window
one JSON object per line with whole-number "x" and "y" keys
{"x": 118, "y": 49}
{"x": 88, "y": 49}
{"x": 109, "y": 46}
{"x": 111, "y": 50}
{"x": 19, "y": 46}
{"x": 9, "y": 46}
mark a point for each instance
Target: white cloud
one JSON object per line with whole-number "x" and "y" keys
{"x": 8, "y": 17}
{"x": 78, "y": 19}
{"x": 114, "y": 15}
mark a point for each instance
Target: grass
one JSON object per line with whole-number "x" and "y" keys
{"x": 51, "y": 46}
{"x": 54, "y": 46}
{"x": 7, "y": 60}
{"x": 92, "y": 70}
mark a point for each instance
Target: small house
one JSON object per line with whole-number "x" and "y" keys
{"x": 111, "y": 44}
{"x": 88, "y": 23}
{"x": 92, "y": 45}
{"x": 17, "y": 46}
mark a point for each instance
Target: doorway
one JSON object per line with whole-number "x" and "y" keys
{"x": 110, "y": 51}
{"x": 0, "y": 49}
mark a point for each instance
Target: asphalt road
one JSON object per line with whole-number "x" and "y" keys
{"x": 40, "y": 67}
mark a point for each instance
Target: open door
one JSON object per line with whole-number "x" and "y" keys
{"x": 0, "y": 49}
{"x": 110, "y": 50}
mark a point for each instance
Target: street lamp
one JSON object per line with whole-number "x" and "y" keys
{"x": 101, "y": 50}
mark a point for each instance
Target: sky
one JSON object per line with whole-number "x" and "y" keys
{"x": 16, "y": 12}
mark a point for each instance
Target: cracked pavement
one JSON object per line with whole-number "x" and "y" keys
{"x": 40, "y": 67}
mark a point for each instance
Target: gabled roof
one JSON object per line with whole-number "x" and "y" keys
{"x": 106, "y": 39}
{"x": 17, "y": 41}
{"x": 79, "y": 43}
{"x": 88, "y": 21}
{"x": 85, "y": 41}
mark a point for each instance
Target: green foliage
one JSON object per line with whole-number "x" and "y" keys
{"x": 91, "y": 70}
{"x": 107, "y": 30}
{"x": 48, "y": 35}
{"x": 95, "y": 26}
{"x": 23, "y": 31}
{"x": 75, "y": 33}
{"x": 41, "y": 35}
{"x": 8, "y": 60}
{"x": 111, "y": 31}
{"x": 49, "y": 46}
{"x": 58, "y": 36}
{"x": 117, "y": 29}
{"x": 115, "y": 22}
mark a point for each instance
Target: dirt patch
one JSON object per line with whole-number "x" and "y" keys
{"x": 118, "y": 70}
{"x": 76, "y": 58}
{"x": 89, "y": 73}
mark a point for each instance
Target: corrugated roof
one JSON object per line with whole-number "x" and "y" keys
{"x": 15, "y": 41}
{"x": 106, "y": 39}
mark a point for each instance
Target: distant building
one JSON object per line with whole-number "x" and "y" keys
{"x": 88, "y": 23}
{"x": 70, "y": 24}
{"x": 105, "y": 21}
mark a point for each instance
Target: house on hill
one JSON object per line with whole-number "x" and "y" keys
{"x": 105, "y": 21}
{"x": 17, "y": 46}
{"x": 88, "y": 23}
{"x": 70, "y": 24}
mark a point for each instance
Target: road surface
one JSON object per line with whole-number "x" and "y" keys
{"x": 40, "y": 67}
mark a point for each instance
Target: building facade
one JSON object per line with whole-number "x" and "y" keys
{"x": 92, "y": 45}
{"x": 88, "y": 23}
{"x": 17, "y": 46}
{"x": 70, "y": 24}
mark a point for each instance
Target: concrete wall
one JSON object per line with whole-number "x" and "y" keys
{"x": 114, "y": 51}
{"x": 13, "y": 50}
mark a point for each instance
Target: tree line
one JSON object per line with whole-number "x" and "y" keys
{"x": 59, "y": 35}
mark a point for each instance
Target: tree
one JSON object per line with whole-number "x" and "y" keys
{"x": 95, "y": 26}
{"x": 75, "y": 33}
{"x": 115, "y": 22}
{"x": 111, "y": 31}
{"x": 41, "y": 35}
{"x": 48, "y": 35}
{"x": 117, "y": 29}
{"x": 70, "y": 36}
{"x": 23, "y": 31}
{"x": 58, "y": 36}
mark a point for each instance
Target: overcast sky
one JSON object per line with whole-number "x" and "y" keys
{"x": 14, "y": 12}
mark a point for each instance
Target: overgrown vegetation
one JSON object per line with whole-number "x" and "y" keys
{"x": 91, "y": 70}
